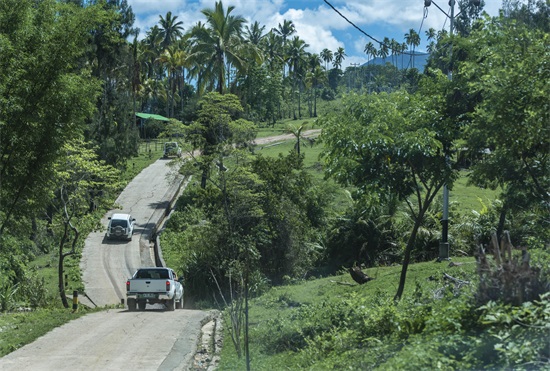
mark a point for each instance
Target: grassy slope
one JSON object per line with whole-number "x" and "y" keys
{"x": 277, "y": 326}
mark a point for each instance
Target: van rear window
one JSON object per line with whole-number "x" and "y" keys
{"x": 118, "y": 223}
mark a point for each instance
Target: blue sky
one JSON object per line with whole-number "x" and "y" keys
{"x": 316, "y": 23}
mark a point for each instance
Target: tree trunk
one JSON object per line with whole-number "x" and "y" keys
{"x": 407, "y": 257}
{"x": 502, "y": 220}
{"x": 61, "y": 282}
{"x": 314, "y": 102}
{"x": 246, "y": 325}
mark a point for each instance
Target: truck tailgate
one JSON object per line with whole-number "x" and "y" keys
{"x": 148, "y": 285}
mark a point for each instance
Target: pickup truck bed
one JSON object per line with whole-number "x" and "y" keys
{"x": 153, "y": 285}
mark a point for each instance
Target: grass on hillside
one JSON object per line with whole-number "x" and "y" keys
{"x": 281, "y": 127}
{"x": 470, "y": 197}
{"x": 279, "y": 329}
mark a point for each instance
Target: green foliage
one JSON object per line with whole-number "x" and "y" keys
{"x": 46, "y": 99}
{"x": 7, "y": 296}
{"x": 397, "y": 144}
{"x": 363, "y": 233}
{"x": 509, "y": 68}
{"x": 112, "y": 128}
{"x": 520, "y": 333}
{"x": 269, "y": 202}
{"x": 217, "y": 128}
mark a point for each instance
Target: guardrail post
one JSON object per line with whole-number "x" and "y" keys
{"x": 75, "y": 301}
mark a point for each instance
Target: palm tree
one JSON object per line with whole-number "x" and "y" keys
{"x": 412, "y": 39}
{"x": 383, "y": 51}
{"x": 150, "y": 49}
{"x": 297, "y": 130}
{"x": 255, "y": 33}
{"x": 339, "y": 57}
{"x": 297, "y": 61}
{"x": 218, "y": 44}
{"x": 174, "y": 59}
{"x": 387, "y": 46}
{"x": 441, "y": 34}
{"x": 394, "y": 46}
{"x": 272, "y": 46}
{"x": 370, "y": 50}
{"x": 285, "y": 30}
{"x": 431, "y": 33}
{"x": 326, "y": 56}
{"x": 315, "y": 79}
{"x": 404, "y": 48}
{"x": 170, "y": 29}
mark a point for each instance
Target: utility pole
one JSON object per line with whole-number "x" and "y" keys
{"x": 444, "y": 243}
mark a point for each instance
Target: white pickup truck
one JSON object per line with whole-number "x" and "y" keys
{"x": 154, "y": 285}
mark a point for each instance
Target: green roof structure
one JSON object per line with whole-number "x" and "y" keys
{"x": 152, "y": 116}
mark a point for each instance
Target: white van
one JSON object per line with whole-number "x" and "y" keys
{"x": 120, "y": 226}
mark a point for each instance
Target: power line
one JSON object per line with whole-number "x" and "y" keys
{"x": 366, "y": 34}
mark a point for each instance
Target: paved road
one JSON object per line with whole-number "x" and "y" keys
{"x": 114, "y": 340}
{"x": 106, "y": 265}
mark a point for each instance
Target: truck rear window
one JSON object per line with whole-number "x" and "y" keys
{"x": 152, "y": 273}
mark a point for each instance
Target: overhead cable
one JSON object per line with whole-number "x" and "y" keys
{"x": 364, "y": 33}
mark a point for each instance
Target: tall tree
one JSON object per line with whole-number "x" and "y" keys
{"x": 45, "y": 97}
{"x": 468, "y": 13}
{"x": 326, "y": 56}
{"x": 316, "y": 78}
{"x": 218, "y": 126}
{"x": 509, "y": 69}
{"x": 431, "y": 34}
{"x": 383, "y": 51}
{"x": 170, "y": 29}
{"x": 80, "y": 179}
{"x": 218, "y": 45}
{"x": 254, "y": 33}
{"x": 297, "y": 60}
{"x": 413, "y": 40}
{"x": 113, "y": 127}
{"x": 174, "y": 59}
{"x": 285, "y": 30}
{"x": 394, "y": 144}
{"x": 339, "y": 57}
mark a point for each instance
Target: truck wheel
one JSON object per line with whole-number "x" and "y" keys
{"x": 170, "y": 304}
{"x": 179, "y": 304}
{"x": 142, "y": 304}
{"x": 131, "y": 304}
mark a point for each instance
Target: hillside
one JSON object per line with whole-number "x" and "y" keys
{"x": 333, "y": 323}
{"x": 402, "y": 61}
